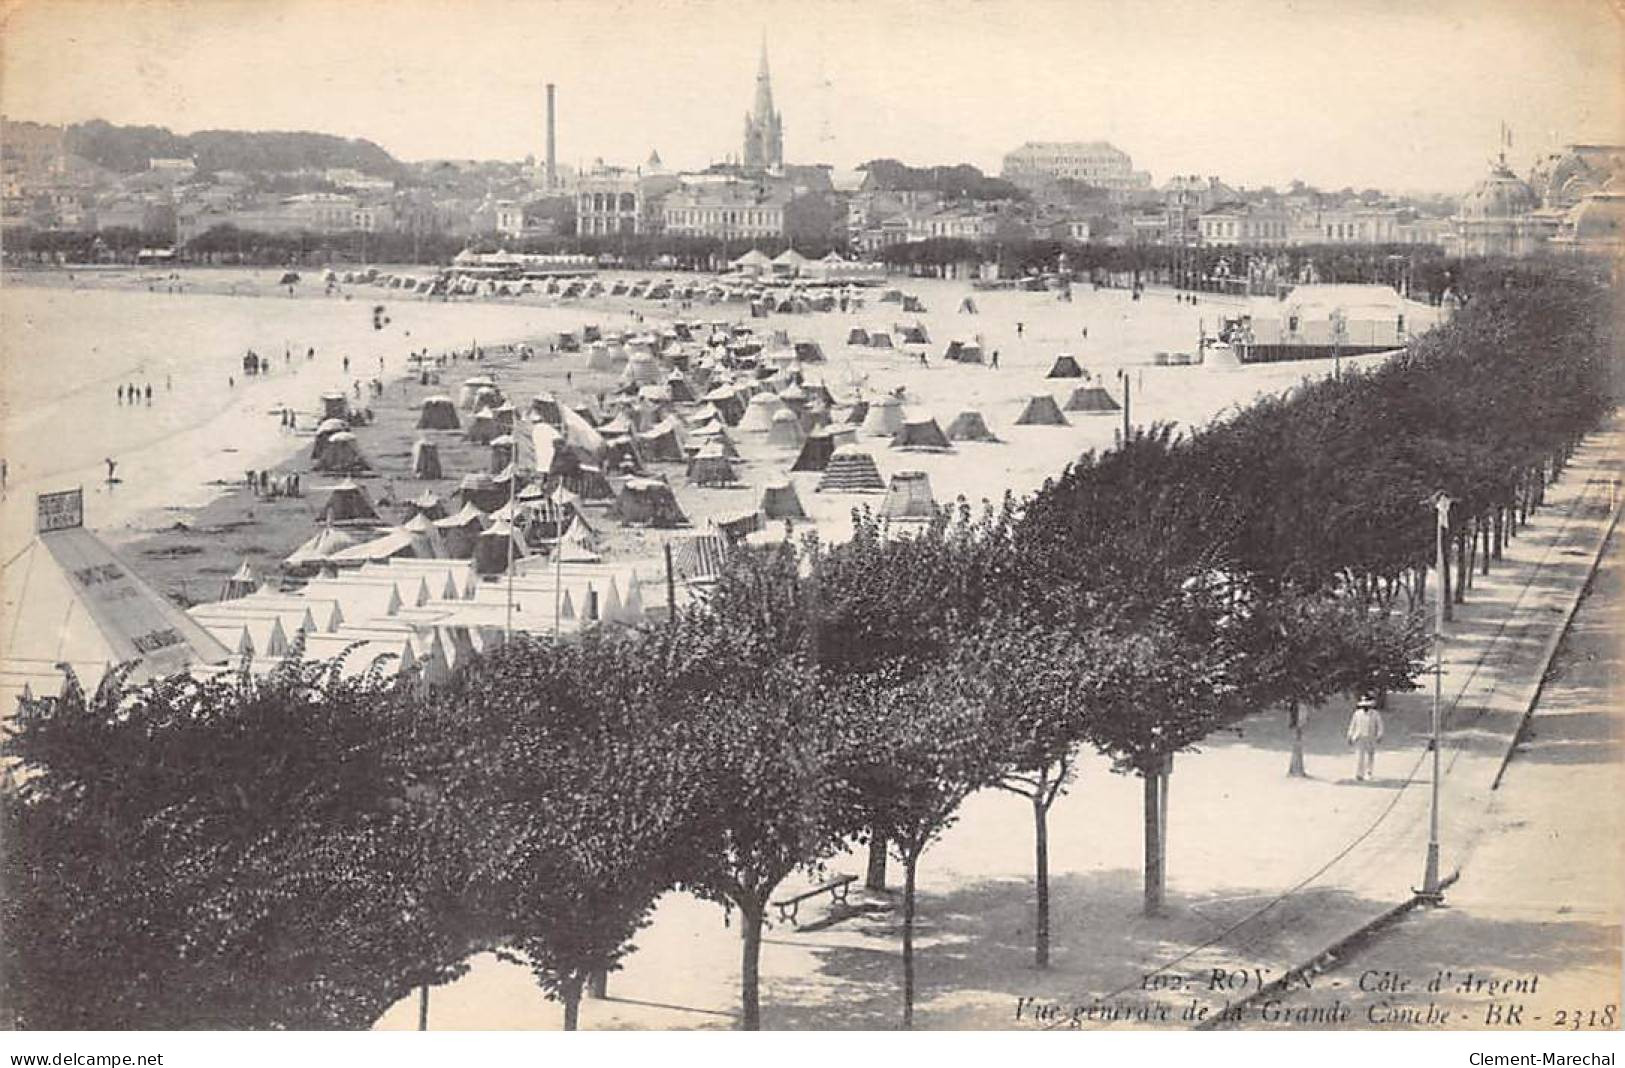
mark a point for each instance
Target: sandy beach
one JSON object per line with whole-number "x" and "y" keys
{"x": 184, "y": 514}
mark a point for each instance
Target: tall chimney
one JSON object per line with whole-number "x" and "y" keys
{"x": 552, "y": 151}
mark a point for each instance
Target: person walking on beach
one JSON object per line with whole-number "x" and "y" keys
{"x": 1021, "y": 328}
{"x": 169, "y": 383}
{"x": 346, "y": 364}
{"x": 149, "y": 394}
{"x": 995, "y": 359}
{"x": 1365, "y": 731}
{"x": 111, "y": 467}
{"x": 121, "y": 393}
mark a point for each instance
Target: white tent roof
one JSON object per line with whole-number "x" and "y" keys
{"x": 69, "y": 598}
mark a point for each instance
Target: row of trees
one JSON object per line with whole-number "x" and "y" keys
{"x": 304, "y": 850}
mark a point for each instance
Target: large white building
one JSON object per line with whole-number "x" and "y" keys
{"x": 727, "y": 208}
{"x": 1095, "y": 163}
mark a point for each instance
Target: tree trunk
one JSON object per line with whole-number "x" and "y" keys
{"x": 1484, "y": 535}
{"x": 1444, "y": 573}
{"x": 875, "y": 878}
{"x": 1041, "y": 870}
{"x": 909, "y": 865}
{"x": 1153, "y": 841}
{"x": 1165, "y": 780}
{"x": 1471, "y": 534}
{"x": 570, "y": 994}
{"x": 423, "y": 1007}
{"x": 750, "y": 932}
{"x": 1461, "y": 566}
{"x": 1294, "y": 717}
{"x": 598, "y": 983}
{"x": 1497, "y": 532}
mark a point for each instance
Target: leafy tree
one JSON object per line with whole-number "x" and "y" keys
{"x": 1033, "y": 685}
{"x": 579, "y": 791}
{"x": 228, "y": 853}
{"x": 771, "y": 747}
{"x": 1308, "y": 649}
{"x": 927, "y": 744}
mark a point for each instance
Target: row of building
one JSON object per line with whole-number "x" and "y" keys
{"x": 1572, "y": 200}
{"x": 1084, "y": 191}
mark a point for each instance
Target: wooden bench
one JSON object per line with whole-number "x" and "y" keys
{"x": 836, "y": 888}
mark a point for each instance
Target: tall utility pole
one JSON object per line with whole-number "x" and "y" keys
{"x": 1430, "y": 891}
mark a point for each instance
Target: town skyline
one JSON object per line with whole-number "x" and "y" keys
{"x": 843, "y": 100}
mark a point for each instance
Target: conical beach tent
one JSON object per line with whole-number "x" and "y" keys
{"x": 711, "y": 468}
{"x": 816, "y": 450}
{"x": 660, "y": 443}
{"x": 1092, "y": 399}
{"x": 458, "y": 532}
{"x": 502, "y": 453}
{"x": 313, "y": 554}
{"x": 785, "y": 431}
{"x": 885, "y": 417}
{"x": 779, "y": 500}
{"x": 426, "y": 460}
{"x": 759, "y": 413}
{"x": 545, "y": 407}
{"x": 438, "y": 413}
{"x": 240, "y": 584}
{"x": 496, "y": 547}
{"x": 908, "y": 497}
{"x": 851, "y": 470}
{"x": 341, "y": 455}
{"x": 427, "y": 544}
{"x": 1042, "y": 410}
{"x": 427, "y": 505}
{"x": 920, "y": 432}
{"x": 1065, "y": 366}
{"x": 347, "y": 503}
{"x": 678, "y": 388}
{"x": 324, "y": 431}
{"x": 483, "y": 428}
{"x": 969, "y": 426}
{"x": 468, "y": 396}
{"x": 648, "y": 501}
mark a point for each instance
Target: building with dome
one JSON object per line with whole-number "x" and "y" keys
{"x": 1571, "y": 202}
{"x": 1595, "y": 225}
{"x": 1496, "y": 217}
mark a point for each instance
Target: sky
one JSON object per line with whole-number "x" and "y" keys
{"x": 1395, "y": 94}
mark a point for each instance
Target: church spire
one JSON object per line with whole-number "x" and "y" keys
{"x": 764, "y": 134}
{"x": 764, "y": 86}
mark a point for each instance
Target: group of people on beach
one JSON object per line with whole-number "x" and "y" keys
{"x": 132, "y": 394}
{"x": 264, "y": 484}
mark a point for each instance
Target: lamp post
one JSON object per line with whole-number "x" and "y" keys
{"x": 1430, "y": 891}
{"x": 1122, "y": 373}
